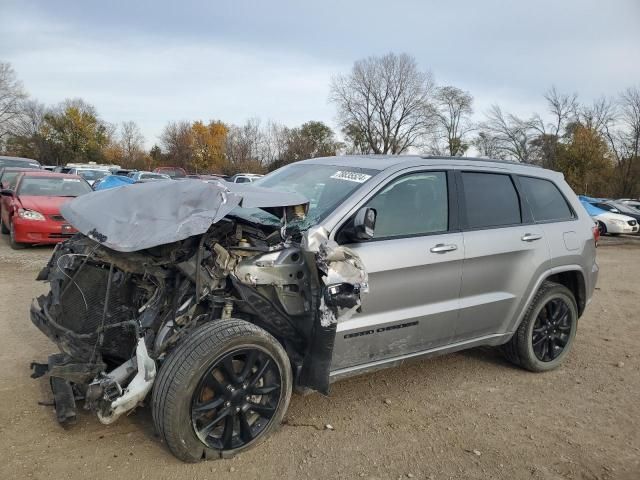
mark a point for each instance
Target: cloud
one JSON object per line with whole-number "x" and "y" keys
{"x": 153, "y": 62}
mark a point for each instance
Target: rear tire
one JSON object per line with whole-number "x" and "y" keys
{"x": 3, "y": 227}
{"x": 602, "y": 228}
{"x": 548, "y": 329}
{"x": 204, "y": 379}
{"x": 12, "y": 239}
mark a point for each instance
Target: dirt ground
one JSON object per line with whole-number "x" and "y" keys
{"x": 468, "y": 415}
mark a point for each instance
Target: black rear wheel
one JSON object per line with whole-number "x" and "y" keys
{"x": 223, "y": 390}
{"x": 546, "y": 334}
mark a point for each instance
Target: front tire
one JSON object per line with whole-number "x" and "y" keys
{"x": 12, "y": 238}
{"x": 223, "y": 390}
{"x": 548, "y": 329}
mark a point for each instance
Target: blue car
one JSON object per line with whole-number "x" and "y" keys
{"x": 112, "y": 181}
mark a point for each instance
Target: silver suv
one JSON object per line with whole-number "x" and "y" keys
{"x": 218, "y": 299}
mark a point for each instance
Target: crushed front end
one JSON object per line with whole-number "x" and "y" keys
{"x": 120, "y": 302}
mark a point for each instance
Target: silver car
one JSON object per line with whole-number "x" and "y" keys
{"x": 218, "y": 299}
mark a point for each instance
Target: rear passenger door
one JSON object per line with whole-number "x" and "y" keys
{"x": 551, "y": 211}
{"x": 414, "y": 263}
{"x": 503, "y": 251}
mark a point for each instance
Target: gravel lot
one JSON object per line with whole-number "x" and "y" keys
{"x": 467, "y": 415}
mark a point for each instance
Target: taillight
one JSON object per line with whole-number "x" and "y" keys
{"x": 596, "y": 234}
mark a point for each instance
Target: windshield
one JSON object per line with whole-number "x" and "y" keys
{"x": 326, "y": 187}
{"x": 53, "y": 187}
{"x": 92, "y": 174}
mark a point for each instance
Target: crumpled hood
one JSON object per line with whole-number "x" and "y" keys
{"x": 135, "y": 217}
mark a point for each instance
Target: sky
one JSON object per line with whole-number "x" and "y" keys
{"x": 158, "y": 61}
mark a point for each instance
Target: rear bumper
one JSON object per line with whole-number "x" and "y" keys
{"x": 47, "y": 231}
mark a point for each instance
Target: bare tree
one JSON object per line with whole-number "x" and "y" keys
{"x": 624, "y": 141}
{"x": 487, "y": 146}
{"x": 387, "y": 99}
{"x": 176, "y": 143}
{"x": 244, "y": 147}
{"x": 563, "y": 109}
{"x": 11, "y": 96}
{"x": 132, "y": 143}
{"x": 453, "y": 111}
{"x": 512, "y": 135}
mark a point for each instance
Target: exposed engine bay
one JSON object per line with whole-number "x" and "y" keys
{"x": 155, "y": 261}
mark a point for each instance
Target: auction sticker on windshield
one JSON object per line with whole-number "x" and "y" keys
{"x": 351, "y": 176}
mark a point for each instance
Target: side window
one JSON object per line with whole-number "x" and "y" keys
{"x": 491, "y": 200}
{"x": 546, "y": 201}
{"x": 414, "y": 204}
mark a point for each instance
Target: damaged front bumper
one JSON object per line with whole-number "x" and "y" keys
{"x": 120, "y": 302}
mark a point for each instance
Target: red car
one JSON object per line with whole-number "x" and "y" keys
{"x": 30, "y": 213}
{"x": 173, "y": 172}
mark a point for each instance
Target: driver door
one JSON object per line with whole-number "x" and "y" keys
{"x": 414, "y": 263}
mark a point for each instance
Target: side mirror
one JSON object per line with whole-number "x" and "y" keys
{"x": 614, "y": 210}
{"x": 6, "y": 192}
{"x": 364, "y": 224}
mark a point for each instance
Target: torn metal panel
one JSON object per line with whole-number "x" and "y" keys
{"x": 146, "y": 215}
{"x": 345, "y": 278}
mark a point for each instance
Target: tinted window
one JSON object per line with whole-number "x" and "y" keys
{"x": 242, "y": 180}
{"x": 491, "y": 200}
{"x": 546, "y": 201}
{"x": 412, "y": 205}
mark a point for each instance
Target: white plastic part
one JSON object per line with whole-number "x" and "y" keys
{"x": 137, "y": 389}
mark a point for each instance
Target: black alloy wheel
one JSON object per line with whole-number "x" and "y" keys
{"x": 236, "y": 399}
{"x": 552, "y": 330}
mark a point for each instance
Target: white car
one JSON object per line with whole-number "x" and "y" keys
{"x": 615, "y": 223}
{"x": 89, "y": 174}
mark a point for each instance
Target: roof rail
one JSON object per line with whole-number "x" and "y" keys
{"x": 477, "y": 159}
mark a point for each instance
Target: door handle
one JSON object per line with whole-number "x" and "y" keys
{"x": 531, "y": 237}
{"x": 442, "y": 248}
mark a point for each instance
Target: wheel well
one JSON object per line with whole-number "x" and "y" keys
{"x": 574, "y": 281}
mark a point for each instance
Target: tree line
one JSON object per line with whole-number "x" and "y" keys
{"x": 385, "y": 105}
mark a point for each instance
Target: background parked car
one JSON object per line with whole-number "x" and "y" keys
{"x": 147, "y": 176}
{"x": 631, "y": 203}
{"x": 31, "y": 212}
{"x": 112, "y": 181}
{"x": 173, "y": 172}
{"x": 616, "y": 207}
{"x": 89, "y": 174}
{"x": 6, "y": 161}
{"x": 608, "y": 222}
{"x": 125, "y": 172}
{"x": 245, "y": 178}
{"x": 208, "y": 177}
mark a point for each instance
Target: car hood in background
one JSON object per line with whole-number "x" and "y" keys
{"x": 44, "y": 205}
{"x": 613, "y": 216}
{"x": 146, "y": 215}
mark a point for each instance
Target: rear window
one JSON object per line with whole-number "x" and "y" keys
{"x": 53, "y": 187}
{"x": 491, "y": 200}
{"x": 546, "y": 202}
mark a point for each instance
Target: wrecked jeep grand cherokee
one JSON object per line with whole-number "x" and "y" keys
{"x": 218, "y": 299}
